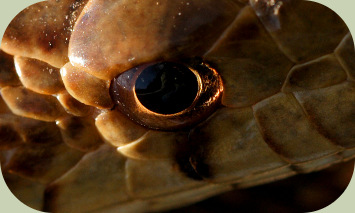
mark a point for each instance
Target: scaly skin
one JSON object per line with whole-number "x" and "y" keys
{"x": 287, "y": 104}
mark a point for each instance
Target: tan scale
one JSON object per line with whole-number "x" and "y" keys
{"x": 80, "y": 133}
{"x": 34, "y": 131}
{"x": 321, "y": 72}
{"x": 4, "y": 109}
{"x": 26, "y": 103}
{"x": 78, "y": 84}
{"x": 286, "y": 107}
{"x": 117, "y": 129}
{"x": 155, "y": 144}
{"x": 38, "y": 76}
{"x": 73, "y": 106}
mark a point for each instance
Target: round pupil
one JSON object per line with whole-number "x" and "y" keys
{"x": 166, "y": 87}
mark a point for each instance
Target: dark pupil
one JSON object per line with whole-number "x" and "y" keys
{"x": 166, "y": 87}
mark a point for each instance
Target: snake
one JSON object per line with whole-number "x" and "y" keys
{"x": 145, "y": 106}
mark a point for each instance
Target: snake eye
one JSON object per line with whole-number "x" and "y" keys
{"x": 167, "y": 95}
{"x": 166, "y": 87}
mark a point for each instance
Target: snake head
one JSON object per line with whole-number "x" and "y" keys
{"x": 127, "y": 105}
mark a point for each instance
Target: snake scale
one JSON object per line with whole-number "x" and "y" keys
{"x": 275, "y": 98}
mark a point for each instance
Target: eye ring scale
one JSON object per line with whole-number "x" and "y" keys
{"x": 207, "y": 98}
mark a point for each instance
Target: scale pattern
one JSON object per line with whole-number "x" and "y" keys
{"x": 287, "y": 107}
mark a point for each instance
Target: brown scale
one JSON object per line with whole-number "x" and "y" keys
{"x": 26, "y": 103}
{"x": 47, "y": 34}
{"x": 38, "y": 76}
{"x": 344, "y": 53}
{"x": 73, "y": 106}
{"x": 285, "y": 106}
{"x": 8, "y": 75}
{"x": 77, "y": 81}
{"x": 80, "y": 133}
{"x": 319, "y": 73}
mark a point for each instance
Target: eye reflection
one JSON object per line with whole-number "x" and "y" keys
{"x": 167, "y": 95}
{"x": 166, "y": 87}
